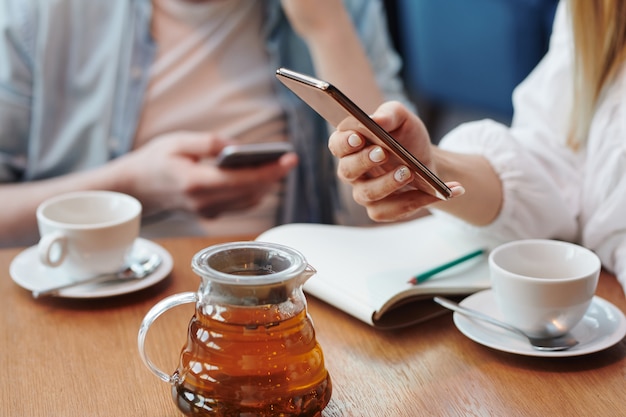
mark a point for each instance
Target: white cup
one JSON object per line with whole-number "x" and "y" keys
{"x": 543, "y": 287}
{"x": 87, "y": 233}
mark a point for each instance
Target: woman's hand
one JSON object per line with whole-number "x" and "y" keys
{"x": 380, "y": 181}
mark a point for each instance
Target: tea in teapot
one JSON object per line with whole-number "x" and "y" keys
{"x": 251, "y": 348}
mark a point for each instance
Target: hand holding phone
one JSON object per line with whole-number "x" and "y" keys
{"x": 252, "y": 154}
{"x": 338, "y": 109}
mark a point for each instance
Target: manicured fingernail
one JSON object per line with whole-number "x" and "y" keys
{"x": 354, "y": 140}
{"x": 401, "y": 174}
{"x": 457, "y": 190}
{"x": 377, "y": 154}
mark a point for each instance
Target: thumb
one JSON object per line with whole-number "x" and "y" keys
{"x": 199, "y": 144}
{"x": 391, "y": 115}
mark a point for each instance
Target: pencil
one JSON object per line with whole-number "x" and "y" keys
{"x": 434, "y": 271}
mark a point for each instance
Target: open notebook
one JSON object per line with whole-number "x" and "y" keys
{"x": 364, "y": 271}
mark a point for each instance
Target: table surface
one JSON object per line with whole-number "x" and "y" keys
{"x": 69, "y": 357}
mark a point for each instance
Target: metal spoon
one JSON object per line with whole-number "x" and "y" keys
{"x": 135, "y": 270}
{"x": 539, "y": 343}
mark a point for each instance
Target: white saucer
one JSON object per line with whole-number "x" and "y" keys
{"x": 29, "y": 273}
{"x": 603, "y": 326}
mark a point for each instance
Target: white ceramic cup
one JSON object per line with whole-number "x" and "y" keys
{"x": 87, "y": 233}
{"x": 543, "y": 287}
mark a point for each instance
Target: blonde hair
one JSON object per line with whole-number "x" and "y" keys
{"x": 599, "y": 28}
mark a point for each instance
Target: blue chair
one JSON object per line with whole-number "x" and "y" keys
{"x": 470, "y": 53}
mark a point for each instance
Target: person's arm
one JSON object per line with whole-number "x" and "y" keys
{"x": 20, "y": 200}
{"x": 338, "y": 55}
{"x": 381, "y": 183}
{"x": 164, "y": 174}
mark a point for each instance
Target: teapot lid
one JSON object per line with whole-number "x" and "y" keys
{"x": 249, "y": 263}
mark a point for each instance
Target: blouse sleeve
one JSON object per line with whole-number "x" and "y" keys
{"x": 540, "y": 196}
{"x": 539, "y": 174}
{"x": 549, "y": 190}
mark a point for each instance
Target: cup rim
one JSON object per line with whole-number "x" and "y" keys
{"x": 583, "y": 274}
{"x": 132, "y": 214}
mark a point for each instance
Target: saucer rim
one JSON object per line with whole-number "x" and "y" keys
{"x": 474, "y": 330}
{"x": 96, "y": 291}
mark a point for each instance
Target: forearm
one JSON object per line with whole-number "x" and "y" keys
{"x": 482, "y": 200}
{"x": 18, "y": 222}
{"x": 340, "y": 58}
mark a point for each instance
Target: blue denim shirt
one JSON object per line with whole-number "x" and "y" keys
{"x": 73, "y": 74}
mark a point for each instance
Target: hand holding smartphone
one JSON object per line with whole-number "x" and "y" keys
{"x": 252, "y": 154}
{"x": 338, "y": 109}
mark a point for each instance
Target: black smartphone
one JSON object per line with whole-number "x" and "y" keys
{"x": 252, "y": 154}
{"x": 340, "y": 111}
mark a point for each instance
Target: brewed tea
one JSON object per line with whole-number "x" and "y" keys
{"x": 274, "y": 367}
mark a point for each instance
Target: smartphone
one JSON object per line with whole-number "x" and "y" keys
{"x": 252, "y": 154}
{"x": 340, "y": 111}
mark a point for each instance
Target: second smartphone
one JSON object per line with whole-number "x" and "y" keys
{"x": 253, "y": 154}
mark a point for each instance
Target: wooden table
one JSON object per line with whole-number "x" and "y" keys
{"x": 64, "y": 357}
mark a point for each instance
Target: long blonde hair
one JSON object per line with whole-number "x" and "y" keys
{"x": 599, "y": 28}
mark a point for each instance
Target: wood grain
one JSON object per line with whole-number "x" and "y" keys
{"x": 63, "y": 357}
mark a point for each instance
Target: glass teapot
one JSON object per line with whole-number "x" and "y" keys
{"x": 251, "y": 347}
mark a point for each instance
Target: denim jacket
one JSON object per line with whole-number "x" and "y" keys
{"x": 73, "y": 75}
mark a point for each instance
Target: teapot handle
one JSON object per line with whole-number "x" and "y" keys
{"x": 154, "y": 313}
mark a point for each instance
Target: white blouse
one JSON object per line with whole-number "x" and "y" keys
{"x": 551, "y": 191}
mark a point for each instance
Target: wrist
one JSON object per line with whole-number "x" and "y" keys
{"x": 482, "y": 200}
{"x": 116, "y": 175}
{"x": 443, "y": 164}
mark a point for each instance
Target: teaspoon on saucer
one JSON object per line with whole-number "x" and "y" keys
{"x": 539, "y": 343}
{"x": 133, "y": 271}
